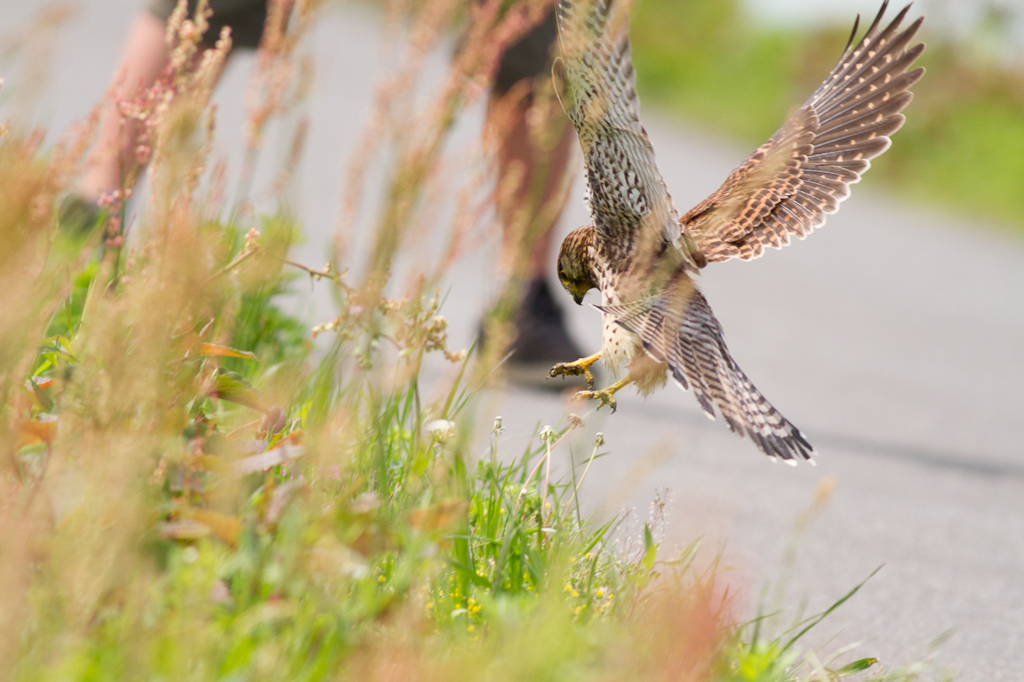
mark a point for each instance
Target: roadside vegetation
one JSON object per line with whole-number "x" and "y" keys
{"x": 707, "y": 62}
{"x": 194, "y": 485}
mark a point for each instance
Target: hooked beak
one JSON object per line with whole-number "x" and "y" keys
{"x": 578, "y": 297}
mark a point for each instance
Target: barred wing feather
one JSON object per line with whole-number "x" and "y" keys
{"x": 626, "y": 192}
{"x": 791, "y": 183}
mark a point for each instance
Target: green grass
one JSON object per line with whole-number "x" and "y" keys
{"x": 396, "y": 541}
{"x": 188, "y": 490}
{"x": 960, "y": 148}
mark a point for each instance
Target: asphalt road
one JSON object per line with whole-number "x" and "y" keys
{"x": 893, "y": 337}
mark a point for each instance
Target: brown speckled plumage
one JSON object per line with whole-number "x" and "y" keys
{"x": 644, "y": 258}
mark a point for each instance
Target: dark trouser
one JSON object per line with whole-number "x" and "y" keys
{"x": 245, "y": 17}
{"x": 528, "y": 58}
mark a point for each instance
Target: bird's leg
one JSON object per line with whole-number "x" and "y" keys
{"x": 605, "y": 395}
{"x": 576, "y": 368}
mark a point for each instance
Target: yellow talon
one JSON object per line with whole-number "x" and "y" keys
{"x": 576, "y": 368}
{"x": 606, "y": 395}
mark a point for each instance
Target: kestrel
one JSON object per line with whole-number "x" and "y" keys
{"x": 645, "y": 259}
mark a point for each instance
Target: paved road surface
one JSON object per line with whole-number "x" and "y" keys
{"x": 893, "y": 338}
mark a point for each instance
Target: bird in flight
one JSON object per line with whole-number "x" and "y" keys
{"x": 644, "y": 258}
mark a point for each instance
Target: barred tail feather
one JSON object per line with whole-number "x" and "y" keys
{"x": 689, "y": 340}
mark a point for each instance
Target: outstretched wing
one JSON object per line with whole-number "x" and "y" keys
{"x": 678, "y": 328}
{"x": 805, "y": 170}
{"x": 598, "y": 92}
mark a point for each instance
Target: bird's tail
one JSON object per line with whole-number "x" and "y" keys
{"x": 678, "y": 328}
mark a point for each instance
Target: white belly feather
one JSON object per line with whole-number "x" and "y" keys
{"x": 618, "y": 346}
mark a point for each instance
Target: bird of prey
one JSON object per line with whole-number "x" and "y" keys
{"x": 644, "y": 258}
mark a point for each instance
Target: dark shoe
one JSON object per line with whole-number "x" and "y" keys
{"x": 541, "y": 341}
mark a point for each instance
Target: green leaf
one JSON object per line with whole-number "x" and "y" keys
{"x": 40, "y": 394}
{"x": 468, "y": 573}
{"x": 857, "y": 666}
{"x": 650, "y": 549}
{"x": 814, "y": 620}
{"x": 235, "y": 390}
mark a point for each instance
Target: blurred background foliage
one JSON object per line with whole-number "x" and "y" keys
{"x": 713, "y": 63}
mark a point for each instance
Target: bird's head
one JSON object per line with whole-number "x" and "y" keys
{"x": 575, "y": 263}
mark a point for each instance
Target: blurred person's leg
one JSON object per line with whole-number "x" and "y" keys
{"x": 143, "y": 58}
{"x": 534, "y": 143}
